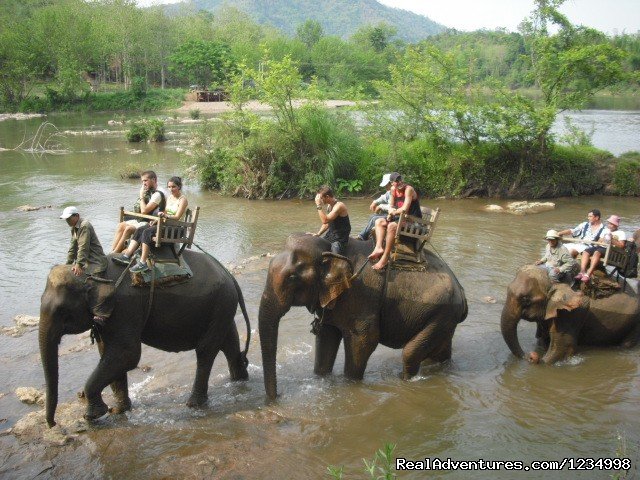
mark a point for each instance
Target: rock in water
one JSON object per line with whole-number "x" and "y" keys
{"x": 30, "y": 395}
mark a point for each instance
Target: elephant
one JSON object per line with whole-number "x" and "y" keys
{"x": 415, "y": 309}
{"x": 197, "y": 314}
{"x": 566, "y": 318}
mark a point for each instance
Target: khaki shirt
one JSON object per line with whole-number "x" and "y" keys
{"x": 558, "y": 257}
{"x": 85, "y": 249}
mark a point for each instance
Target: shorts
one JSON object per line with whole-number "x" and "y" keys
{"x": 593, "y": 249}
{"x": 136, "y": 223}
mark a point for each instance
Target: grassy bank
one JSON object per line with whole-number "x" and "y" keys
{"x": 149, "y": 101}
{"x": 260, "y": 158}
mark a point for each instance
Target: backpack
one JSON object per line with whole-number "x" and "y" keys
{"x": 631, "y": 270}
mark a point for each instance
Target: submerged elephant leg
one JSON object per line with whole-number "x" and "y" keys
{"x": 120, "y": 388}
{"x": 357, "y": 350}
{"x": 327, "y": 343}
{"x": 204, "y": 358}
{"x": 632, "y": 338}
{"x": 231, "y": 350}
{"x": 112, "y": 369}
{"x": 432, "y": 342}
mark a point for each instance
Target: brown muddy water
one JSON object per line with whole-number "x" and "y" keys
{"x": 483, "y": 404}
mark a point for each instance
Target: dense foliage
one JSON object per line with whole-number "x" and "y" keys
{"x": 54, "y": 53}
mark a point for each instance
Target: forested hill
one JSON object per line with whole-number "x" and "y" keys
{"x": 337, "y": 17}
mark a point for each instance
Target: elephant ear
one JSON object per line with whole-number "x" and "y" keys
{"x": 336, "y": 278}
{"x": 562, "y": 299}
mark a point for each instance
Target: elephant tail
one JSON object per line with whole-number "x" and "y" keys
{"x": 243, "y": 354}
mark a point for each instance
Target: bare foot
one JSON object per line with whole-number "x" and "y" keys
{"x": 377, "y": 253}
{"x": 380, "y": 265}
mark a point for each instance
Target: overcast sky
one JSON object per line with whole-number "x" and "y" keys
{"x": 609, "y": 16}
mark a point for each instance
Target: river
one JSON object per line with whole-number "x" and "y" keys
{"x": 483, "y": 404}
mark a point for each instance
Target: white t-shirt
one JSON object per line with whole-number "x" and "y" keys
{"x": 618, "y": 235}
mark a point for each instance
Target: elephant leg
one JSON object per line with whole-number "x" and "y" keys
{"x": 632, "y": 338}
{"x": 357, "y": 350}
{"x": 205, "y": 355}
{"x": 120, "y": 388}
{"x": 231, "y": 350}
{"x": 112, "y": 369}
{"x": 327, "y": 343}
{"x": 432, "y": 342}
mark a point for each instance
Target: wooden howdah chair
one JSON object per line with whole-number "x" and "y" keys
{"x": 169, "y": 232}
{"x": 412, "y": 235}
{"x": 615, "y": 257}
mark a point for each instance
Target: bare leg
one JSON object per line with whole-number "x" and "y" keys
{"x": 131, "y": 249}
{"x": 594, "y": 262}
{"x": 381, "y": 227}
{"x": 391, "y": 238}
{"x": 126, "y": 234}
{"x": 584, "y": 262}
{"x": 117, "y": 237}
{"x": 145, "y": 253}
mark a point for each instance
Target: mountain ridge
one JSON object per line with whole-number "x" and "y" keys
{"x": 337, "y": 17}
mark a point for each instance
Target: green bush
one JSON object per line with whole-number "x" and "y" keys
{"x": 142, "y": 130}
{"x": 156, "y": 130}
{"x": 138, "y": 131}
{"x": 254, "y": 157}
{"x": 626, "y": 176}
{"x": 194, "y": 114}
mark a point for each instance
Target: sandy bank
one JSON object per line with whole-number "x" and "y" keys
{"x": 221, "y": 107}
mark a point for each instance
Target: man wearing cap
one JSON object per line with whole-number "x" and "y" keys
{"x": 87, "y": 257}
{"x": 403, "y": 198}
{"x": 379, "y": 207}
{"x": 557, "y": 260}
{"x": 592, "y": 255}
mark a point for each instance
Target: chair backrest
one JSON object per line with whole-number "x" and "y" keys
{"x": 178, "y": 231}
{"x": 420, "y": 229}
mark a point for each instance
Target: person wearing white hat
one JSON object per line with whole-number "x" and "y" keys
{"x": 379, "y": 207}
{"x": 86, "y": 257}
{"x": 557, "y": 260}
{"x": 592, "y": 255}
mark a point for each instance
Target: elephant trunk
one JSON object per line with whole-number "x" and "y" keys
{"x": 509, "y": 319}
{"x": 268, "y": 323}
{"x": 49, "y": 338}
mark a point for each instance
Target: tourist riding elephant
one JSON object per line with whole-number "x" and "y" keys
{"x": 196, "y": 314}
{"x": 418, "y": 309}
{"x": 566, "y": 318}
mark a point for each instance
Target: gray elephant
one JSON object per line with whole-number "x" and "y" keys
{"x": 417, "y": 310}
{"x": 566, "y": 318}
{"x": 195, "y": 315}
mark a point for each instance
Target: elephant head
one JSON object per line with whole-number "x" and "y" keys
{"x": 64, "y": 309}
{"x": 566, "y": 312}
{"x": 306, "y": 274}
{"x": 527, "y": 299}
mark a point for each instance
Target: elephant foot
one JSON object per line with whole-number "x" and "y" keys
{"x": 95, "y": 411}
{"x": 121, "y": 407}
{"x": 241, "y": 375}
{"x": 197, "y": 400}
{"x": 533, "y": 357}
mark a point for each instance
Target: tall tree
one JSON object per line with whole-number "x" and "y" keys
{"x": 309, "y": 33}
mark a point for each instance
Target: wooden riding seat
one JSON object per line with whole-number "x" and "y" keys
{"x": 169, "y": 232}
{"x": 412, "y": 235}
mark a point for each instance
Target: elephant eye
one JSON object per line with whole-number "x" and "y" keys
{"x": 525, "y": 301}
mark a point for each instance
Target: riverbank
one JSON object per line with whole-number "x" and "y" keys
{"x": 211, "y": 108}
